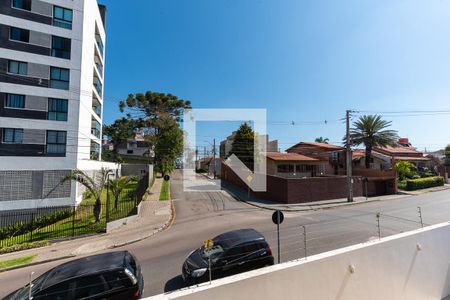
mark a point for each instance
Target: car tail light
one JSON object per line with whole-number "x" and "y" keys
{"x": 269, "y": 250}
{"x": 136, "y": 294}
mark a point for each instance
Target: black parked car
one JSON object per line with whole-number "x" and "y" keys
{"x": 229, "y": 253}
{"x": 114, "y": 275}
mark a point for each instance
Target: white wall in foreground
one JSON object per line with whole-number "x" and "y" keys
{"x": 392, "y": 268}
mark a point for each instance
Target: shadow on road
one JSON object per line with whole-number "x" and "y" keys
{"x": 174, "y": 284}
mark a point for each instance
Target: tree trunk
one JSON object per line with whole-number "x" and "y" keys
{"x": 116, "y": 201}
{"x": 97, "y": 210}
{"x": 368, "y": 157}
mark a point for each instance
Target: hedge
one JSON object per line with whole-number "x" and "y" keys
{"x": 22, "y": 227}
{"x": 24, "y": 246}
{"x": 423, "y": 183}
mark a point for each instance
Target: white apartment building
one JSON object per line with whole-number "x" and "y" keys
{"x": 52, "y": 55}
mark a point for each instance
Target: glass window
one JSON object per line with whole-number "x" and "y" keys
{"x": 18, "y": 34}
{"x": 62, "y": 17}
{"x": 285, "y": 168}
{"x": 89, "y": 286}
{"x": 56, "y": 142}
{"x": 12, "y": 135}
{"x": 57, "y": 109}
{"x": 61, "y": 47}
{"x": 59, "y": 78}
{"x": 17, "y": 67}
{"x": 15, "y": 101}
{"x": 22, "y": 4}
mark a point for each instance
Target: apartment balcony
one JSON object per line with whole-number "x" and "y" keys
{"x": 98, "y": 85}
{"x": 96, "y": 106}
{"x": 95, "y": 128}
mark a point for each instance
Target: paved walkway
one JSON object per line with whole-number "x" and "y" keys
{"x": 154, "y": 216}
{"x": 271, "y": 205}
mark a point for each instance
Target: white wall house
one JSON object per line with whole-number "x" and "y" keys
{"x": 52, "y": 55}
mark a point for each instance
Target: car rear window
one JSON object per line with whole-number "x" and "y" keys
{"x": 117, "y": 280}
{"x": 89, "y": 286}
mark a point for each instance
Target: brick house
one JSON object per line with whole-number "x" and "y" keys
{"x": 332, "y": 155}
{"x": 293, "y": 165}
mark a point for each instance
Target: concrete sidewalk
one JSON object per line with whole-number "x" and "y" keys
{"x": 154, "y": 217}
{"x": 242, "y": 195}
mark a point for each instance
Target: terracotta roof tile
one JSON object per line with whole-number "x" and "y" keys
{"x": 278, "y": 156}
{"x": 320, "y": 145}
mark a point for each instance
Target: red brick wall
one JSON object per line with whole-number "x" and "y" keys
{"x": 300, "y": 190}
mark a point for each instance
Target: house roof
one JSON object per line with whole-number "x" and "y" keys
{"x": 278, "y": 156}
{"x": 358, "y": 154}
{"x": 400, "y": 150}
{"x": 319, "y": 145}
{"x": 411, "y": 158}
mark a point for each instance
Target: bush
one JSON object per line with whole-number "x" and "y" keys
{"x": 22, "y": 227}
{"x": 405, "y": 170}
{"x": 423, "y": 183}
{"x": 24, "y": 246}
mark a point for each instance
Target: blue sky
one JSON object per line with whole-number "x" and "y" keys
{"x": 304, "y": 61}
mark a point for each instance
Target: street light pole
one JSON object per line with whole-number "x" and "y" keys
{"x": 349, "y": 159}
{"x": 214, "y": 158}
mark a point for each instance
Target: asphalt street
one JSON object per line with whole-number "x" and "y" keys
{"x": 201, "y": 215}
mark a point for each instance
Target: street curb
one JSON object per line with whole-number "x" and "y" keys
{"x": 310, "y": 208}
{"x": 35, "y": 263}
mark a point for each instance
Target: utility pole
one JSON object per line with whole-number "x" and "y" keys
{"x": 349, "y": 159}
{"x": 196, "y": 158}
{"x": 214, "y": 157}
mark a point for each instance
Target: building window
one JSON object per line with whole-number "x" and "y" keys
{"x": 59, "y": 78}
{"x": 17, "y": 67}
{"x": 18, "y": 34}
{"x": 22, "y": 4}
{"x": 61, "y": 47}
{"x": 62, "y": 17}
{"x": 15, "y": 101}
{"x": 56, "y": 142}
{"x": 12, "y": 135}
{"x": 57, "y": 109}
{"x": 285, "y": 168}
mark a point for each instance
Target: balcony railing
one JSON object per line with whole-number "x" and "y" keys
{"x": 95, "y": 132}
{"x": 98, "y": 86}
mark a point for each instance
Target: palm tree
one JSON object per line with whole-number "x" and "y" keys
{"x": 371, "y": 131}
{"x": 322, "y": 140}
{"x": 117, "y": 186}
{"x": 95, "y": 185}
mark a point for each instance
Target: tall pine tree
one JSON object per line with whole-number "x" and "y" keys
{"x": 243, "y": 145}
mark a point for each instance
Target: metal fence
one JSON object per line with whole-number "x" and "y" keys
{"x": 50, "y": 223}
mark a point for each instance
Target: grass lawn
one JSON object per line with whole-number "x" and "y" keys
{"x": 17, "y": 261}
{"x": 165, "y": 191}
{"x": 83, "y": 222}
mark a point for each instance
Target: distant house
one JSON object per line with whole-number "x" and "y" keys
{"x": 293, "y": 165}
{"x": 333, "y": 155}
{"x": 386, "y": 157}
{"x": 226, "y": 145}
{"x": 136, "y": 146}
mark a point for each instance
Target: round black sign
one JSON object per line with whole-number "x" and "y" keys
{"x": 277, "y": 217}
{"x": 166, "y": 177}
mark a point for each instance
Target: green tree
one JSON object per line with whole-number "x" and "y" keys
{"x": 447, "y": 156}
{"x": 120, "y": 131}
{"x": 94, "y": 185}
{"x": 168, "y": 141}
{"x": 322, "y": 140}
{"x": 160, "y": 114}
{"x": 371, "y": 131}
{"x": 243, "y": 145}
{"x": 117, "y": 186}
{"x": 405, "y": 170}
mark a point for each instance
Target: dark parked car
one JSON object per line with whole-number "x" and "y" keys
{"x": 113, "y": 275}
{"x": 229, "y": 253}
